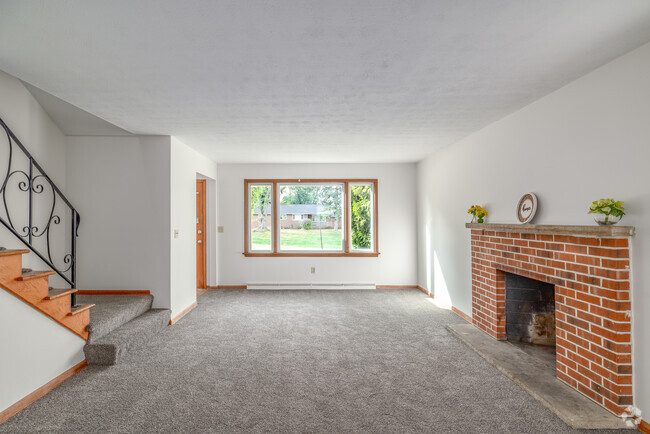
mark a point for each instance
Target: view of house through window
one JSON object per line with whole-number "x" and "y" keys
{"x": 315, "y": 212}
{"x": 310, "y": 217}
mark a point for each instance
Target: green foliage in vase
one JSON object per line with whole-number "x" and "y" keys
{"x": 607, "y": 207}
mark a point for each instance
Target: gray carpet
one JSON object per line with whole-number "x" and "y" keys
{"x": 296, "y": 361}
{"x": 112, "y": 311}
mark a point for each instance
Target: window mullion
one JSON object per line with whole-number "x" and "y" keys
{"x": 274, "y": 217}
{"x": 346, "y": 217}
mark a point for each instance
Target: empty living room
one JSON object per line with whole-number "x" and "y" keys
{"x": 369, "y": 216}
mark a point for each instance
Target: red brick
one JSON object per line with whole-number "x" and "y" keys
{"x": 556, "y": 264}
{"x": 565, "y": 274}
{"x": 609, "y": 253}
{"x": 593, "y": 319}
{"x": 622, "y": 348}
{"x": 567, "y": 379}
{"x": 579, "y": 304}
{"x": 577, "y": 267}
{"x": 617, "y": 326}
{"x": 568, "y": 257}
{"x": 603, "y": 391}
{"x": 611, "y": 335}
{"x": 616, "y": 305}
{"x": 614, "y": 242}
{"x": 577, "y": 240}
{"x": 610, "y": 274}
{"x": 616, "y": 286}
{"x": 555, "y": 246}
{"x": 587, "y": 260}
{"x": 589, "y": 336}
{"x": 615, "y": 408}
{"x": 590, "y": 280}
{"x": 609, "y": 294}
{"x": 610, "y": 355}
{"x": 576, "y": 249}
{"x": 577, "y": 286}
{"x": 578, "y": 322}
{"x": 540, "y": 261}
{"x": 586, "y": 390}
{"x": 588, "y": 298}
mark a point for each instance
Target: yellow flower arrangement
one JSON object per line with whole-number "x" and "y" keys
{"x": 478, "y": 212}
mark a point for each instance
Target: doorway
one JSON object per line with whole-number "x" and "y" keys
{"x": 200, "y": 235}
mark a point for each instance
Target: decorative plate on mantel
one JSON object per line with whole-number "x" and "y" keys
{"x": 526, "y": 208}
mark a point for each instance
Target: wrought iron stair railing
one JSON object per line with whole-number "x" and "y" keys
{"x": 33, "y": 209}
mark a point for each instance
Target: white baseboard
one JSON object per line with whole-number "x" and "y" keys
{"x": 310, "y": 286}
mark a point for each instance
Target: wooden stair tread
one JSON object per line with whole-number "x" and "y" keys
{"x": 34, "y": 274}
{"x": 80, "y": 308}
{"x": 9, "y": 252}
{"x": 56, "y": 293}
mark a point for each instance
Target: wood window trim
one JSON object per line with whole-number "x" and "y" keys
{"x": 275, "y": 239}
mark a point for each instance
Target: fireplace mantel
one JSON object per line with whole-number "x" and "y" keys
{"x": 592, "y": 231}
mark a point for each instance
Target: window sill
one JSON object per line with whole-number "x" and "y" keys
{"x": 313, "y": 255}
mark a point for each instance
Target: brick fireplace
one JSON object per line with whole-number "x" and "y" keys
{"x": 590, "y": 268}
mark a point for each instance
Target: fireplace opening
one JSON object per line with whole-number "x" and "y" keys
{"x": 530, "y": 316}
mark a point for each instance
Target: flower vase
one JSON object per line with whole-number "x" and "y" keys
{"x": 606, "y": 220}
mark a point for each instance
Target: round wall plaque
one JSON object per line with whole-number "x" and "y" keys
{"x": 526, "y": 208}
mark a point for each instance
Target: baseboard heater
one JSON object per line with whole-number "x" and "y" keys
{"x": 314, "y": 286}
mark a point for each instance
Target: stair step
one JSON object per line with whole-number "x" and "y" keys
{"x": 112, "y": 311}
{"x": 56, "y": 293}
{"x": 111, "y": 349}
{"x": 9, "y": 252}
{"x": 80, "y": 308}
{"x": 34, "y": 274}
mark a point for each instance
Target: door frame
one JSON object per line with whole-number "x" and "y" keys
{"x": 201, "y": 216}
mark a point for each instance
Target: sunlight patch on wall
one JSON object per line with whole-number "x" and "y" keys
{"x": 441, "y": 291}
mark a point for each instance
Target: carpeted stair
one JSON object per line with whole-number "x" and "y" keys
{"x": 120, "y": 323}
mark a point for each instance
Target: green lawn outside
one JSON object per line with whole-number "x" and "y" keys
{"x": 299, "y": 239}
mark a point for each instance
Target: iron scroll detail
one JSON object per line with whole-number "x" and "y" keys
{"x": 35, "y": 210}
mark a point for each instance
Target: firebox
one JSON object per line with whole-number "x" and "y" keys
{"x": 530, "y": 311}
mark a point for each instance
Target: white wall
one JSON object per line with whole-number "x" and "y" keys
{"x": 397, "y": 232}
{"x": 121, "y": 188}
{"x": 586, "y": 141}
{"x": 186, "y": 165}
{"x": 34, "y": 348}
{"x": 36, "y": 131}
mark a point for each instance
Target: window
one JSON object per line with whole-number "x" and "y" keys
{"x": 320, "y": 218}
{"x": 361, "y": 210}
{"x": 259, "y": 221}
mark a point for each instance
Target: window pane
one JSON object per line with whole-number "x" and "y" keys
{"x": 261, "y": 227}
{"x": 317, "y": 211}
{"x": 361, "y": 216}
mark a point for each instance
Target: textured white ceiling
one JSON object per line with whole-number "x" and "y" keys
{"x": 71, "y": 120}
{"x": 301, "y": 80}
